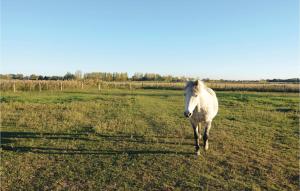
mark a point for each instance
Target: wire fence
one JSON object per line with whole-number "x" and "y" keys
{"x": 62, "y": 85}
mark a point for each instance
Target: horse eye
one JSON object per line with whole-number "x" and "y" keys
{"x": 184, "y": 94}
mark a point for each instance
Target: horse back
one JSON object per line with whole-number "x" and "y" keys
{"x": 210, "y": 91}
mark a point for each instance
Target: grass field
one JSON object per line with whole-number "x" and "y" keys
{"x": 139, "y": 140}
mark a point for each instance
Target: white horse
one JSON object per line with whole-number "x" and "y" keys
{"x": 201, "y": 106}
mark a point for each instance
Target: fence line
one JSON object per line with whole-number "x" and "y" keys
{"x": 40, "y": 85}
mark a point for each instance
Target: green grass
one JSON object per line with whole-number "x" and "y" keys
{"x": 139, "y": 140}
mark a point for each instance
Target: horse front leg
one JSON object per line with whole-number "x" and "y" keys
{"x": 206, "y": 134}
{"x": 199, "y": 132}
{"x": 196, "y": 137}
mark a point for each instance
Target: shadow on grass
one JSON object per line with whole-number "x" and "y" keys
{"x": 30, "y": 135}
{"x": 65, "y": 151}
{"x": 284, "y": 110}
{"x": 7, "y": 138}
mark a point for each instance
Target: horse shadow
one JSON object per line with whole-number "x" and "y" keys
{"x": 9, "y": 138}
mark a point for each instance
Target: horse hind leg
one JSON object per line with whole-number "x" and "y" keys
{"x": 206, "y": 134}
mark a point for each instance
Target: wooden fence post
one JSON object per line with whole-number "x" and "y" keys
{"x": 82, "y": 85}
{"x": 99, "y": 86}
{"x": 61, "y": 86}
{"x": 14, "y": 86}
{"x": 40, "y": 86}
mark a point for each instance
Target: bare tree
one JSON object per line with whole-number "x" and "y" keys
{"x": 78, "y": 75}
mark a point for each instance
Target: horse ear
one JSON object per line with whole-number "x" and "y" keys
{"x": 197, "y": 82}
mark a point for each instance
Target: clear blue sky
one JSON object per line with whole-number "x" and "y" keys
{"x": 229, "y": 39}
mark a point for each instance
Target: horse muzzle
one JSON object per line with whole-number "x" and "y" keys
{"x": 187, "y": 114}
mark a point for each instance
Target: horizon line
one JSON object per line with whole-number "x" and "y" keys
{"x": 173, "y": 75}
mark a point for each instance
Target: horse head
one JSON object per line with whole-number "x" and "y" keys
{"x": 192, "y": 92}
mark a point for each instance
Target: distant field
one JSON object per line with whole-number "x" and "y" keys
{"x": 120, "y": 139}
{"x": 50, "y": 85}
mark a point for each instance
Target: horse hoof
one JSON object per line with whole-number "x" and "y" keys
{"x": 197, "y": 153}
{"x": 206, "y": 147}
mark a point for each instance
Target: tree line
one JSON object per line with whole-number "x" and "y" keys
{"x": 102, "y": 76}
{"x": 285, "y": 80}
{"x": 120, "y": 76}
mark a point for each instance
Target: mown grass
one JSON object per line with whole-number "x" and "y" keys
{"x": 139, "y": 140}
